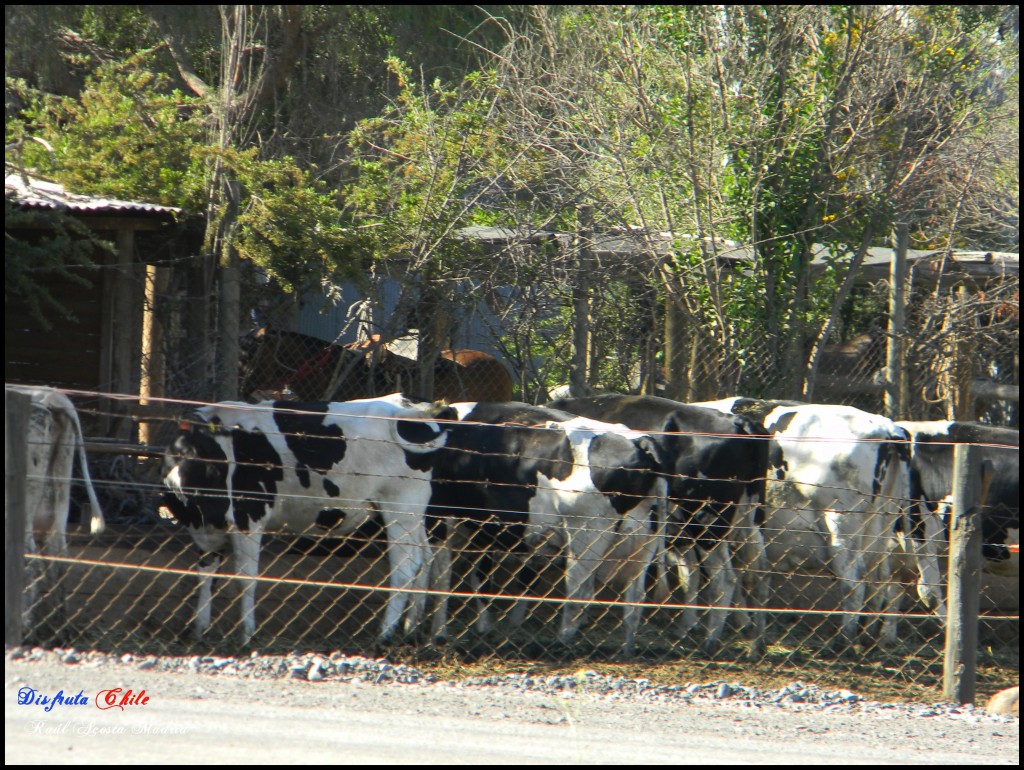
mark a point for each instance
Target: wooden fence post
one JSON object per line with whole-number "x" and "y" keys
{"x": 152, "y": 380}
{"x": 580, "y": 368}
{"x": 17, "y": 407}
{"x": 895, "y": 378}
{"x": 971, "y": 478}
{"x": 229, "y": 307}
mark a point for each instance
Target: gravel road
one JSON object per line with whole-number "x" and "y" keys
{"x": 352, "y": 710}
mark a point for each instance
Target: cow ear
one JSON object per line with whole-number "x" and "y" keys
{"x": 653, "y": 449}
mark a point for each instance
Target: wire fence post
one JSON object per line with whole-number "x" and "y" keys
{"x": 16, "y": 407}
{"x": 971, "y": 478}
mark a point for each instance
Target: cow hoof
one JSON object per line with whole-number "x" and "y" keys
{"x": 627, "y": 654}
{"x": 566, "y": 638}
{"x": 712, "y": 648}
{"x": 888, "y": 645}
{"x": 842, "y": 645}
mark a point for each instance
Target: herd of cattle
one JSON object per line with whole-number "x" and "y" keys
{"x": 654, "y": 495}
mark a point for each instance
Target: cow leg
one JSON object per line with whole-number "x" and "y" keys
{"x": 847, "y": 564}
{"x": 753, "y": 564}
{"x": 684, "y": 564}
{"x": 517, "y": 615}
{"x": 543, "y": 551}
{"x": 246, "y": 547}
{"x": 47, "y": 498}
{"x": 925, "y": 548}
{"x": 721, "y": 588}
{"x": 441, "y": 583}
{"x": 641, "y": 547}
{"x": 408, "y": 556}
{"x": 55, "y": 543}
{"x": 584, "y": 551}
{"x": 483, "y": 623}
{"x": 523, "y": 580}
{"x": 887, "y": 594}
{"x": 890, "y": 596}
{"x": 208, "y": 565}
{"x": 886, "y": 597}
{"x": 211, "y": 544}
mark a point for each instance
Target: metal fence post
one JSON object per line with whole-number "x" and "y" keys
{"x": 17, "y": 407}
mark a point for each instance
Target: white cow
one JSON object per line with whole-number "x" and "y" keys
{"x": 715, "y": 465}
{"x": 244, "y": 469}
{"x": 515, "y": 474}
{"x": 54, "y": 436}
{"x": 838, "y": 493}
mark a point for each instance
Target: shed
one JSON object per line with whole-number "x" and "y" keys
{"x": 100, "y": 350}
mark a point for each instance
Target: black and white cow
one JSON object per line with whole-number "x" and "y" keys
{"x": 838, "y": 492}
{"x": 54, "y": 437}
{"x": 240, "y": 470}
{"x": 932, "y": 463}
{"x": 521, "y": 475}
{"x": 716, "y": 465}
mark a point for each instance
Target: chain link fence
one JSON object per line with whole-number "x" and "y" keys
{"x": 960, "y": 359}
{"x": 134, "y": 588}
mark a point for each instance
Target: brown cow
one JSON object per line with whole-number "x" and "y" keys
{"x": 311, "y": 369}
{"x": 471, "y": 375}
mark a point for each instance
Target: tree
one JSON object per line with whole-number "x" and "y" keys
{"x": 62, "y": 243}
{"x": 423, "y": 170}
{"x": 686, "y": 130}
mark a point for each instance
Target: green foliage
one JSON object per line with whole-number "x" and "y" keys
{"x": 776, "y": 126}
{"x": 289, "y": 224}
{"x": 128, "y": 136}
{"x": 38, "y": 242}
{"x": 121, "y": 29}
{"x": 424, "y": 169}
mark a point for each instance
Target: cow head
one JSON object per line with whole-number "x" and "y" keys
{"x": 195, "y": 474}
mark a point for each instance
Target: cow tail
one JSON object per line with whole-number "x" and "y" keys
{"x": 97, "y": 523}
{"x": 662, "y": 592}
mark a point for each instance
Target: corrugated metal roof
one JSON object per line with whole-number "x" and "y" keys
{"x": 30, "y": 192}
{"x": 985, "y": 265}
